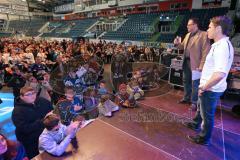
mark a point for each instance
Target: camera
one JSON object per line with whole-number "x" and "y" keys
{"x": 39, "y": 77}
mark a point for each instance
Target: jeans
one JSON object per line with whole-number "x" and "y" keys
{"x": 206, "y": 112}
{"x": 197, "y": 119}
{"x": 190, "y": 86}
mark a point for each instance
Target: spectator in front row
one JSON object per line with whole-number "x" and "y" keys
{"x": 11, "y": 150}
{"x": 71, "y": 107}
{"x": 71, "y": 79}
{"x": 27, "y": 116}
{"x": 123, "y": 99}
{"x": 106, "y": 106}
{"x": 134, "y": 89}
{"x": 56, "y": 137}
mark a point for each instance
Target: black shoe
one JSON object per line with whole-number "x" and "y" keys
{"x": 184, "y": 102}
{"x": 191, "y": 126}
{"x": 198, "y": 140}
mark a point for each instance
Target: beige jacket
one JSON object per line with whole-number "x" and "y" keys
{"x": 199, "y": 49}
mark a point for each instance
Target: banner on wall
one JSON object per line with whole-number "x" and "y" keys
{"x": 66, "y": 8}
{"x": 211, "y": 2}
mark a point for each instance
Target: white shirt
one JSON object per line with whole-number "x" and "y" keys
{"x": 219, "y": 59}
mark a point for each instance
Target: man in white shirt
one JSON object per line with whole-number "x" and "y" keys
{"x": 213, "y": 80}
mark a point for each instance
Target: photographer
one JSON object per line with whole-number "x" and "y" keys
{"x": 3, "y": 66}
{"x": 17, "y": 81}
{"x": 45, "y": 88}
{"x": 40, "y": 84}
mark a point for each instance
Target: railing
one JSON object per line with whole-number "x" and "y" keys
{"x": 120, "y": 24}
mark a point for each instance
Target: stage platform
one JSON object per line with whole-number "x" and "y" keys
{"x": 153, "y": 131}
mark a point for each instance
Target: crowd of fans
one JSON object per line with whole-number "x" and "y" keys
{"x": 66, "y": 78}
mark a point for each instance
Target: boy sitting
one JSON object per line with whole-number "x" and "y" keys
{"x": 56, "y": 137}
{"x": 123, "y": 99}
{"x": 106, "y": 106}
{"x": 134, "y": 89}
{"x": 71, "y": 107}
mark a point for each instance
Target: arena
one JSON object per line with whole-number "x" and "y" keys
{"x": 120, "y": 79}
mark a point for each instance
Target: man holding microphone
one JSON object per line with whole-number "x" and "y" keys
{"x": 196, "y": 45}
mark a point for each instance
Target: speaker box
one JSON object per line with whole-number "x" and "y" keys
{"x": 176, "y": 76}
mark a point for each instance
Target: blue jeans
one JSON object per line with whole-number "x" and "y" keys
{"x": 206, "y": 112}
{"x": 195, "y": 85}
{"x": 197, "y": 119}
{"x": 190, "y": 86}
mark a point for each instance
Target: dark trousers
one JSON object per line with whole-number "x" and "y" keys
{"x": 190, "y": 86}
{"x": 109, "y": 57}
{"x": 31, "y": 148}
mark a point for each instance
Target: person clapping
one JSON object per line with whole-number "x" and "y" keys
{"x": 56, "y": 137}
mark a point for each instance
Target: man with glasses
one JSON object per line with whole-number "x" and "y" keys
{"x": 196, "y": 46}
{"x": 28, "y": 114}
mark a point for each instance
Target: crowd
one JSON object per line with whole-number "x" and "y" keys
{"x": 46, "y": 79}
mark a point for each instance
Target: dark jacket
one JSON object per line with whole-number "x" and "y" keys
{"x": 28, "y": 119}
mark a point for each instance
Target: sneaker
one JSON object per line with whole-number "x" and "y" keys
{"x": 192, "y": 126}
{"x": 183, "y": 101}
{"x": 115, "y": 108}
{"x": 109, "y": 114}
{"x": 198, "y": 140}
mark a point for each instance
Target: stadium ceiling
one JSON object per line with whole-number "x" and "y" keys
{"x": 44, "y": 5}
{"x": 47, "y": 5}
